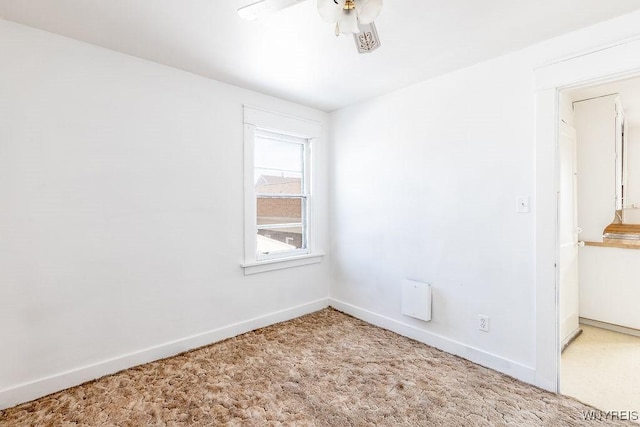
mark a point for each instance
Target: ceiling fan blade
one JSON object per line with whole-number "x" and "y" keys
{"x": 262, "y": 8}
{"x": 367, "y": 39}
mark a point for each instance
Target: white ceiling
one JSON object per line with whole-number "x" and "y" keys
{"x": 294, "y": 54}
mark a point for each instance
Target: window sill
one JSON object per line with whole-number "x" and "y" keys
{"x": 281, "y": 263}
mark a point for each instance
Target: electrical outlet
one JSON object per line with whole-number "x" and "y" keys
{"x": 483, "y": 323}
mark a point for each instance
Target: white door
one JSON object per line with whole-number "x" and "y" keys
{"x": 568, "y": 230}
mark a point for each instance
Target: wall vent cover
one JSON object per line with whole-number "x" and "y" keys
{"x": 416, "y": 299}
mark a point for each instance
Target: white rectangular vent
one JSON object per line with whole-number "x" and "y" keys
{"x": 416, "y": 299}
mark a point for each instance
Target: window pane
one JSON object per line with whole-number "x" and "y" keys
{"x": 279, "y": 210}
{"x": 278, "y": 155}
{"x": 271, "y": 240}
{"x": 278, "y": 182}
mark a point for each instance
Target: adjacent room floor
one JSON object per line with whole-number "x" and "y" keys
{"x": 602, "y": 368}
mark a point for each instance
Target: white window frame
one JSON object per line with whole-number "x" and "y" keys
{"x": 305, "y": 193}
{"x": 256, "y": 119}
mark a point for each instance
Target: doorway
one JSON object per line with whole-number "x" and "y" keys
{"x": 587, "y": 68}
{"x": 599, "y": 184}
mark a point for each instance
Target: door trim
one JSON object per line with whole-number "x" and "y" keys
{"x": 608, "y": 64}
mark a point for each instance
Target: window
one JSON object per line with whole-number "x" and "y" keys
{"x": 278, "y": 191}
{"x": 281, "y": 186}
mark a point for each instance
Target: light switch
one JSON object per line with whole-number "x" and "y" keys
{"x": 522, "y": 204}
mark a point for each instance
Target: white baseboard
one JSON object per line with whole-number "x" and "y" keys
{"x": 610, "y": 327}
{"x": 32, "y": 390}
{"x": 481, "y": 357}
{"x": 572, "y": 336}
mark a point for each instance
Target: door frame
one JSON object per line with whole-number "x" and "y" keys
{"x": 598, "y": 66}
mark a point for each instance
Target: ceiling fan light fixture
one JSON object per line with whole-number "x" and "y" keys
{"x": 330, "y": 10}
{"x": 348, "y": 22}
{"x": 347, "y": 14}
{"x": 367, "y": 39}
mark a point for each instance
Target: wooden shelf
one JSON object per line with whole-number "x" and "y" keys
{"x": 616, "y": 235}
{"x": 622, "y": 229}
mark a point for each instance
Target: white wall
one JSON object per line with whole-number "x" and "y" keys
{"x": 121, "y": 219}
{"x": 424, "y": 184}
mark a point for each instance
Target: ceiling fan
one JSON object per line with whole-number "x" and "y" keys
{"x": 349, "y": 16}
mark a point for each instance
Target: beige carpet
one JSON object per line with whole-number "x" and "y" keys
{"x": 324, "y": 369}
{"x": 602, "y": 368}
